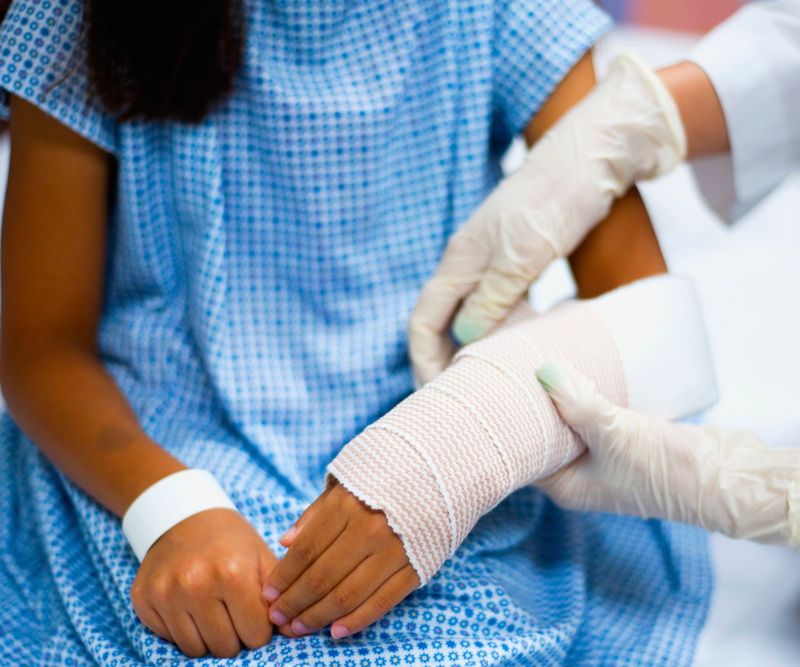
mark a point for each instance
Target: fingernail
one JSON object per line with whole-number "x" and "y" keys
{"x": 271, "y": 594}
{"x": 289, "y": 533}
{"x": 339, "y": 631}
{"x": 467, "y": 329}
{"x": 277, "y": 618}
{"x": 299, "y": 628}
{"x": 551, "y": 373}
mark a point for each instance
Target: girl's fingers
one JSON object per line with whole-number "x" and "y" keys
{"x": 290, "y": 535}
{"x": 248, "y": 611}
{"x": 216, "y": 627}
{"x": 324, "y": 528}
{"x": 185, "y": 633}
{"x": 152, "y": 619}
{"x": 382, "y": 601}
{"x": 348, "y": 595}
{"x": 331, "y": 568}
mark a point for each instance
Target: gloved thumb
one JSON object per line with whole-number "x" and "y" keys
{"x": 575, "y": 396}
{"x": 489, "y": 305}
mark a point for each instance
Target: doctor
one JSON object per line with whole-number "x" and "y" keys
{"x": 739, "y": 93}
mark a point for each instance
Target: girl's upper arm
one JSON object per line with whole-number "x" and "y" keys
{"x": 54, "y": 235}
{"x": 623, "y": 247}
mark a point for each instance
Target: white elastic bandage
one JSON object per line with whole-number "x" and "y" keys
{"x": 457, "y": 447}
{"x": 168, "y": 502}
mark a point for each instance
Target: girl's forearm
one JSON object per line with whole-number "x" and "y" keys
{"x": 66, "y": 402}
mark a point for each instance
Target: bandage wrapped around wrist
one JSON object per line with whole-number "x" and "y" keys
{"x": 485, "y": 427}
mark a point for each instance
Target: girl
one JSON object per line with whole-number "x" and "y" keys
{"x": 219, "y": 216}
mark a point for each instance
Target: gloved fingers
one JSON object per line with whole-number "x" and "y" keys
{"x": 497, "y": 295}
{"x": 463, "y": 263}
{"x": 575, "y": 396}
{"x": 520, "y": 252}
{"x": 429, "y": 344}
{"x": 567, "y": 486}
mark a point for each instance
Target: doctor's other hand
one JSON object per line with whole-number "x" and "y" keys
{"x": 626, "y": 129}
{"x": 199, "y": 586}
{"x": 725, "y": 481}
{"x": 345, "y": 566}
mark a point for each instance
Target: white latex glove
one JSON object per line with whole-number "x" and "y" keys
{"x": 628, "y": 128}
{"x": 725, "y": 481}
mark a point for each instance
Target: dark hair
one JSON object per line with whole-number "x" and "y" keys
{"x": 163, "y": 59}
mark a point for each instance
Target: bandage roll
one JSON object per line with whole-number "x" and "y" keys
{"x": 453, "y": 450}
{"x": 168, "y": 502}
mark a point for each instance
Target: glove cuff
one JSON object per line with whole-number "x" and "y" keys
{"x": 663, "y": 128}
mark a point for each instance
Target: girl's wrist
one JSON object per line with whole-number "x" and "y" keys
{"x": 168, "y": 502}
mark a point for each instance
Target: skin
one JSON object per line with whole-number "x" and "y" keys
{"x": 700, "y": 108}
{"x": 331, "y": 573}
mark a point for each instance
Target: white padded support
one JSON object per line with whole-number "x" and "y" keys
{"x": 657, "y": 325}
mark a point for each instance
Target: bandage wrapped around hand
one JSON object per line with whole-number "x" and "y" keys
{"x": 457, "y": 447}
{"x": 454, "y": 449}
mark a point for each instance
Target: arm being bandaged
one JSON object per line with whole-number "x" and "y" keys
{"x": 485, "y": 427}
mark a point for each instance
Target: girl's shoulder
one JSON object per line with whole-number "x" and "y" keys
{"x": 43, "y": 61}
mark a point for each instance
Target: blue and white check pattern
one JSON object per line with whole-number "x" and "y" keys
{"x": 263, "y": 267}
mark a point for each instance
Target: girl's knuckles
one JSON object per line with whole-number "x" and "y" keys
{"x": 229, "y": 650}
{"x": 303, "y": 554}
{"x": 195, "y": 577}
{"x": 382, "y": 604}
{"x": 344, "y": 599}
{"x": 318, "y": 581}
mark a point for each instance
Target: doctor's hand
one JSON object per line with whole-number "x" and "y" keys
{"x": 725, "y": 481}
{"x": 344, "y": 566}
{"x": 626, "y": 129}
{"x": 199, "y": 586}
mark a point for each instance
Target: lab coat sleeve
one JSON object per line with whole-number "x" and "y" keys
{"x": 753, "y": 61}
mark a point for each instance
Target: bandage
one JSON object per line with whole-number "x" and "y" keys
{"x": 168, "y": 502}
{"x": 454, "y": 449}
{"x": 457, "y": 447}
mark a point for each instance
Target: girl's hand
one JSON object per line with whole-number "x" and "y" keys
{"x": 200, "y": 585}
{"x": 347, "y": 566}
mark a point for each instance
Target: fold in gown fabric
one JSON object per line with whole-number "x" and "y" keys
{"x": 263, "y": 265}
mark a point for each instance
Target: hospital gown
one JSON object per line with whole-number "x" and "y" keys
{"x": 262, "y": 268}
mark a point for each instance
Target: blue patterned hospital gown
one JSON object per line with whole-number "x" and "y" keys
{"x": 263, "y": 265}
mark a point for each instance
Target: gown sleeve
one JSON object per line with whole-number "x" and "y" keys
{"x": 535, "y": 44}
{"x": 43, "y": 61}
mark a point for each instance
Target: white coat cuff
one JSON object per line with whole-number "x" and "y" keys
{"x": 746, "y": 79}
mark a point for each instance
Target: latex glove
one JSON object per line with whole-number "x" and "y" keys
{"x": 628, "y": 128}
{"x": 725, "y": 481}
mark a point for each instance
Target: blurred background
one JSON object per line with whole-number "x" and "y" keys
{"x": 687, "y": 15}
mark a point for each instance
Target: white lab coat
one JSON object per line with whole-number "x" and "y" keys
{"x": 753, "y": 60}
